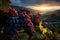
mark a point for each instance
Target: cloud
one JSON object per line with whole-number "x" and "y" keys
{"x": 23, "y": 2}
{"x": 16, "y": 2}
{"x": 54, "y": 0}
{"x": 34, "y": 2}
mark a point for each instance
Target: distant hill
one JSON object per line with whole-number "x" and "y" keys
{"x": 52, "y": 20}
{"x": 24, "y": 8}
{"x": 18, "y": 7}
{"x": 52, "y": 16}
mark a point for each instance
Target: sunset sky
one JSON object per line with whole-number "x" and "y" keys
{"x": 34, "y": 2}
{"x": 41, "y": 5}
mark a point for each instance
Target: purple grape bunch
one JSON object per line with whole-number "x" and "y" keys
{"x": 12, "y": 24}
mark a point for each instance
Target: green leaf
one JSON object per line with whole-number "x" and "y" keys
{"x": 4, "y": 6}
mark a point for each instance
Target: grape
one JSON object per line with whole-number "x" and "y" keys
{"x": 13, "y": 11}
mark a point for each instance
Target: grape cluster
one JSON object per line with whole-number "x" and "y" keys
{"x": 29, "y": 27}
{"x": 27, "y": 23}
{"x": 36, "y": 19}
{"x": 12, "y": 24}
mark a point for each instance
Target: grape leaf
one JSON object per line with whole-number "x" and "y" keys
{"x": 4, "y": 6}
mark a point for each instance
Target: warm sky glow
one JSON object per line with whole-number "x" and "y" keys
{"x": 44, "y": 7}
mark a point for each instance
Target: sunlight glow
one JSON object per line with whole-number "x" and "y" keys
{"x": 44, "y": 7}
